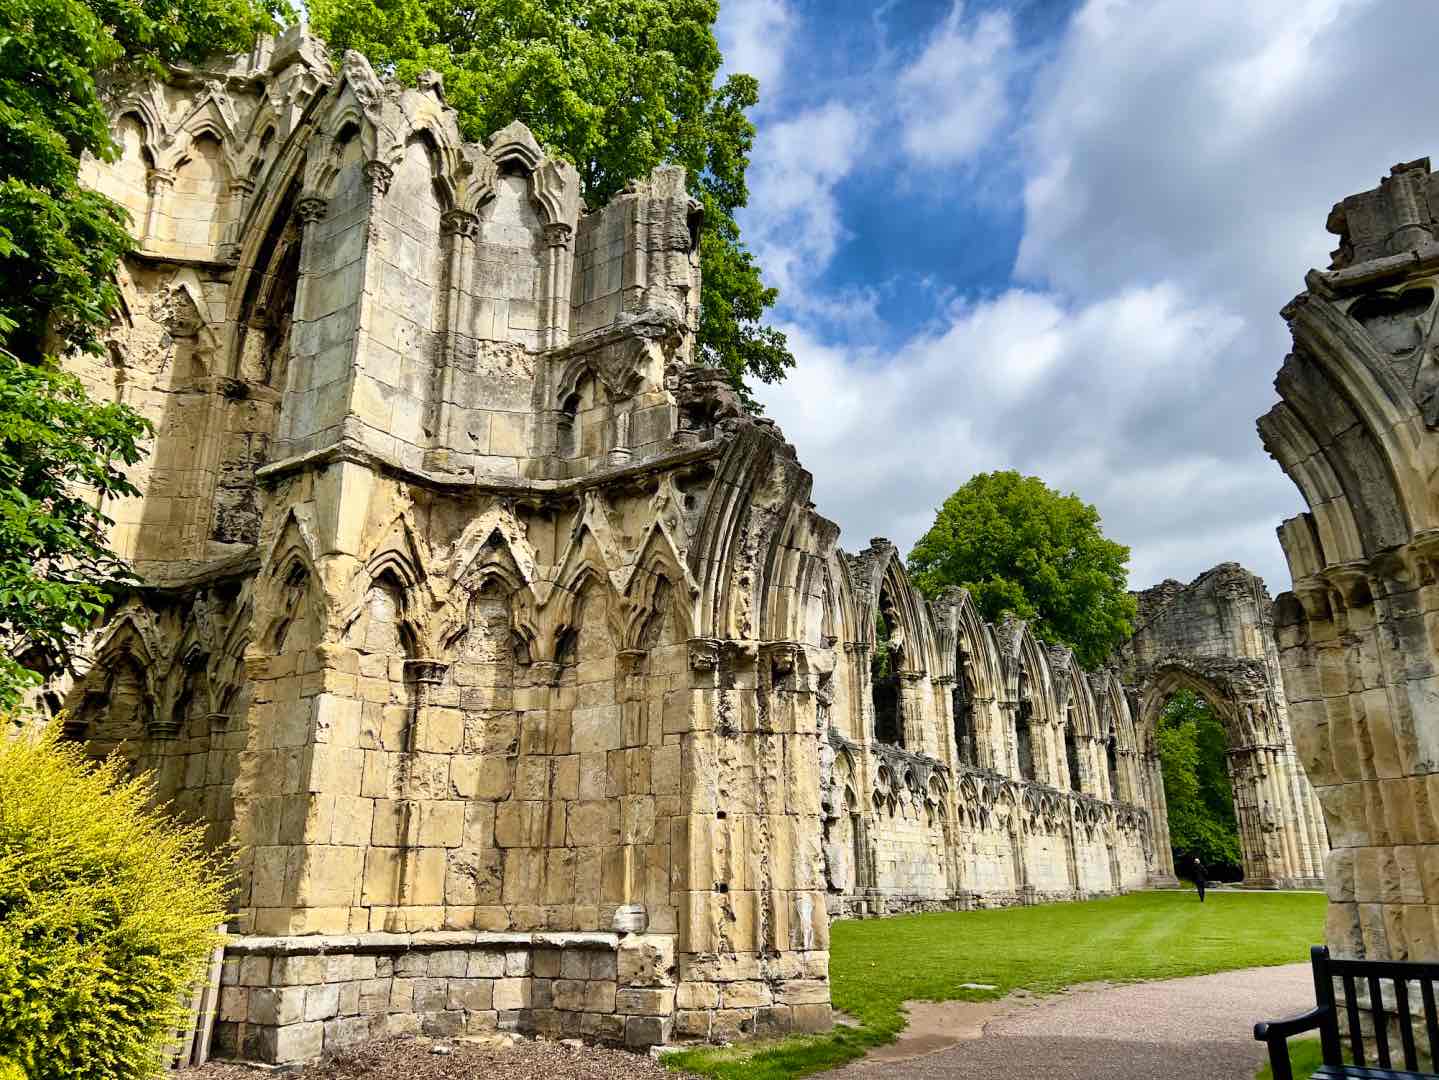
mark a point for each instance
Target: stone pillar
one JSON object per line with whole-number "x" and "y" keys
{"x": 241, "y": 188}
{"x": 460, "y": 229}
{"x": 1162, "y": 874}
{"x": 559, "y": 267}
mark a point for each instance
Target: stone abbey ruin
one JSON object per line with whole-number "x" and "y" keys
{"x": 509, "y": 653}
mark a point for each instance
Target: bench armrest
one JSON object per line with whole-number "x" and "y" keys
{"x": 1277, "y": 1032}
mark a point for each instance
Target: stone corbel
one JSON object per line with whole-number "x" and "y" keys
{"x": 546, "y": 672}
{"x": 781, "y": 656}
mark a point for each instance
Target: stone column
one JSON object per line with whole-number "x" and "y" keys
{"x": 241, "y": 188}
{"x": 559, "y": 267}
{"x": 158, "y": 185}
{"x": 460, "y": 228}
{"x": 1163, "y": 871}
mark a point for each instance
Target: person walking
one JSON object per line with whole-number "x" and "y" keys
{"x": 1201, "y": 879}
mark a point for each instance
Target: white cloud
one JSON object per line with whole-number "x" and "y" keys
{"x": 1019, "y": 381}
{"x": 754, "y": 36}
{"x": 794, "y": 224}
{"x": 954, "y": 96}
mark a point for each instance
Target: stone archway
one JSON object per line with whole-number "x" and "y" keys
{"x": 1278, "y": 836}
{"x": 1214, "y": 637}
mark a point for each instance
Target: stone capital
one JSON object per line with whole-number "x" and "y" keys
{"x": 426, "y": 670}
{"x": 558, "y": 234}
{"x": 781, "y": 655}
{"x": 163, "y": 729}
{"x": 311, "y": 208}
{"x": 459, "y": 223}
{"x": 704, "y": 653}
{"x": 378, "y": 176}
{"x": 546, "y": 672}
{"x": 158, "y": 180}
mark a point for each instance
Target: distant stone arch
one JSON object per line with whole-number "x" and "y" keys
{"x": 1213, "y": 637}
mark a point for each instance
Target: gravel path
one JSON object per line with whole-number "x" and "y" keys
{"x": 414, "y": 1059}
{"x": 1182, "y": 1029}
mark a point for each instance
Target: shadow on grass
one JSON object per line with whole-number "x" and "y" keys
{"x": 878, "y": 964}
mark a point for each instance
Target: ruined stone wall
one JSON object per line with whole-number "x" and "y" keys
{"x": 1214, "y": 637}
{"x": 968, "y": 764}
{"x": 502, "y": 644}
{"x": 1355, "y": 431}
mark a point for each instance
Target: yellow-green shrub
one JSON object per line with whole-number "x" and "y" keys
{"x": 108, "y": 910}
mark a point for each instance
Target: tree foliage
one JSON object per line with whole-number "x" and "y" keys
{"x": 1202, "y": 824}
{"x": 108, "y": 911}
{"x": 59, "y": 247}
{"x": 1018, "y": 545}
{"x": 615, "y": 86}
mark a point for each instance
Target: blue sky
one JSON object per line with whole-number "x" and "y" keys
{"x": 1056, "y": 236}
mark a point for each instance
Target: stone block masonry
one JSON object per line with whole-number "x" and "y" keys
{"x": 501, "y": 644}
{"x": 1357, "y": 430}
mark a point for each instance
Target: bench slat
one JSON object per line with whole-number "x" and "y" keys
{"x": 1351, "y": 1009}
{"x": 1360, "y": 1072}
{"x": 1385, "y": 969}
{"x": 1431, "y": 1018}
{"x": 1406, "y": 1022}
{"x": 1381, "y": 1024}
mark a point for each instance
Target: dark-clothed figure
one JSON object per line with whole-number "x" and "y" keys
{"x": 1201, "y": 879}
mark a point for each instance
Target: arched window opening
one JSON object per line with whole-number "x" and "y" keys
{"x": 1112, "y": 751}
{"x": 1071, "y": 754}
{"x": 884, "y": 673}
{"x": 1211, "y": 817}
{"x": 965, "y": 744}
{"x": 1023, "y": 737}
{"x": 567, "y": 443}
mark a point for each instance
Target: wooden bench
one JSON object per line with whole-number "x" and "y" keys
{"x": 1353, "y": 976}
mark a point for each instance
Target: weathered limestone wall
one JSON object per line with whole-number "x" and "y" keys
{"x": 968, "y": 764}
{"x": 505, "y": 647}
{"x": 1355, "y": 431}
{"x": 1214, "y": 636}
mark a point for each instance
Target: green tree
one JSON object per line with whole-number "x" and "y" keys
{"x": 59, "y": 247}
{"x": 615, "y": 86}
{"x": 1202, "y": 824}
{"x": 1018, "y": 545}
{"x": 108, "y": 912}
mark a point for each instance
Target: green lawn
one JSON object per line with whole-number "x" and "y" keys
{"x": 878, "y": 964}
{"x": 1304, "y": 1058}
